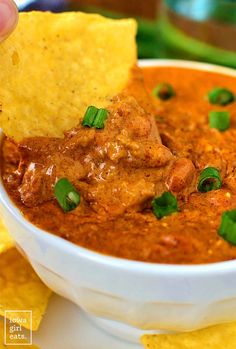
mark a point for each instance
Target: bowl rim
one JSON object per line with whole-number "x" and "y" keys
{"x": 195, "y": 270}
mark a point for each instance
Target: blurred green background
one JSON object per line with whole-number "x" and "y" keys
{"x": 203, "y": 30}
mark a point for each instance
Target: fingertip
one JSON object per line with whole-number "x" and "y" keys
{"x": 8, "y": 18}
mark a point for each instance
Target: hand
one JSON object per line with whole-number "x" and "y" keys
{"x": 8, "y": 18}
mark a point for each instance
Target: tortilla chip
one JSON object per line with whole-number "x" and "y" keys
{"x": 6, "y": 241}
{"x": 215, "y": 337}
{"x": 55, "y": 65}
{"x": 21, "y": 288}
{"x": 2, "y": 346}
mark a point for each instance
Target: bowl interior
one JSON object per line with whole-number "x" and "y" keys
{"x": 57, "y": 242}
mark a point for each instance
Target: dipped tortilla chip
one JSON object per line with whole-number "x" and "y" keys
{"x": 2, "y": 346}
{"x": 6, "y": 241}
{"x": 215, "y": 337}
{"x": 21, "y": 288}
{"x": 55, "y": 65}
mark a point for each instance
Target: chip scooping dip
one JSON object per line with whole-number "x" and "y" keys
{"x": 61, "y": 64}
{"x": 21, "y": 288}
{"x": 110, "y": 173}
{"x": 6, "y": 241}
{"x": 215, "y": 337}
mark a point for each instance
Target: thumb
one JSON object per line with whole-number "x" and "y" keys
{"x": 8, "y": 17}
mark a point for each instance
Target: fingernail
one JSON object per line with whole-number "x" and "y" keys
{"x": 8, "y": 17}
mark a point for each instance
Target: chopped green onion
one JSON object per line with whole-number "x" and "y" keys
{"x": 66, "y": 195}
{"x": 100, "y": 118}
{"x": 219, "y": 120}
{"x": 163, "y": 91}
{"x": 209, "y": 179}
{"x": 227, "y": 229}
{"x": 95, "y": 117}
{"x": 89, "y": 116}
{"x": 164, "y": 205}
{"x": 220, "y": 96}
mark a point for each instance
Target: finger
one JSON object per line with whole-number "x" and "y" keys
{"x": 8, "y": 18}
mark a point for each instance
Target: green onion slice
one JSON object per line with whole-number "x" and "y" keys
{"x": 100, "y": 118}
{"x": 95, "y": 117}
{"x": 164, "y": 205}
{"x": 66, "y": 195}
{"x": 220, "y": 96}
{"x": 227, "y": 229}
{"x": 89, "y": 116}
{"x": 219, "y": 120}
{"x": 163, "y": 91}
{"x": 209, "y": 179}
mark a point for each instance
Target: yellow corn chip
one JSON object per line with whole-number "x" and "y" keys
{"x": 2, "y": 346}
{"x": 21, "y": 288}
{"x": 6, "y": 240}
{"x": 55, "y": 65}
{"x": 215, "y": 337}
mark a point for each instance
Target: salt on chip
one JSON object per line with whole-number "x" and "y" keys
{"x": 55, "y": 65}
{"x": 21, "y": 288}
{"x": 3, "y": 346}
{"x": 6, "y": 241}
{"x": 216, "y": 337}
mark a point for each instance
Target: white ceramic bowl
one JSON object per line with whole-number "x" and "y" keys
{"x": 119, "y": 292}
